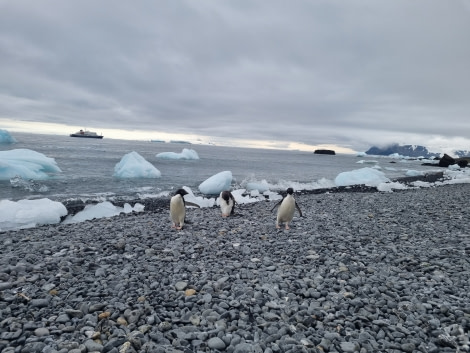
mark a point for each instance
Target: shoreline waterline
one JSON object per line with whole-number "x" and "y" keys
{"x": 161, "y": 203}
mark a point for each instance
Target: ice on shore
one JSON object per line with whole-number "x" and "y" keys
{"x": 27, "y": 164}
{"x": 261, "y": 186}
{"x": 30, "y": 213}
{"x": 102, "y": 210}
{"x": 201, "y": 201}
{"x": 365, "y": 176}
{"x": 133, "y": 165}
{"x": 186, "y": 153}
{"x": 216, "y": 183}
{"x": 6, "y": 138}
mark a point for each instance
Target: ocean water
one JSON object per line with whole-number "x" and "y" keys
{"x": 88, "y": 165}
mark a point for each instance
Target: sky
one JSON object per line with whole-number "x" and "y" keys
{"x": 300, "y": 74}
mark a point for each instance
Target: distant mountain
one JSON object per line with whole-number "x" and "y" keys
{"x": 404, "y": 150}
{"x": 462, "y": 153}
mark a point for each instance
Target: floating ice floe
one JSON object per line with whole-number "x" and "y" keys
{"x": 186, "y": 153}
{"x": 29, "y": 185}
{"x": 6, "y": 138}
{"x": 27, "y": 164}
{"x": 133, "y": 165}
{"x": 216, "y": 183}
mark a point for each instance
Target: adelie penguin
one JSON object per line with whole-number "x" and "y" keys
{"x": 227, "y": 203}
{"x": 286, "y": 210}
{"x": 178, "y": 208}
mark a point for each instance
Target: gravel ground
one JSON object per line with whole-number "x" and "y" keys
{"x": 360, "y": 272}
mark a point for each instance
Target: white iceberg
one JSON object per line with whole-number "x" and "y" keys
{"x": 216, "y": 183}
{"x": 366, "y": 176}
{"x": 186, "y": 153}
{"x": 27, "y": 164}
{"x": 133, "y": 165}
{"x": 6, "y": 138}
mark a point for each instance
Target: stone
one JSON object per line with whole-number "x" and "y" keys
{"x": 179, "y": 286}
{"x": 41, "y": 331}
{"x": 216, "y": 343}
{"x": 446, "y": 161}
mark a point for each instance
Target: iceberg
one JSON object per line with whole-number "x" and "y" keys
{"x": 186, "y": 153}
{"x": 216, "y": 183}
{"x": 6, "y": 138}
{"x": 133, "y": 165}
{"x": 27, "y": 164}
{"x": 30, "y": 213}
{"x": 366, "y": 176}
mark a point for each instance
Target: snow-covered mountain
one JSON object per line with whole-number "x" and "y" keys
{"x": 403, "y": 150}
{"x": 412, "y": 151}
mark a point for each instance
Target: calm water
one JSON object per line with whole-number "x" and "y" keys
{"x": 88, "y": 165}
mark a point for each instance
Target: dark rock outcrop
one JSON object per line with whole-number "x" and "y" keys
{"x": 330, "y": 152}
{"x": 446, "y": 161}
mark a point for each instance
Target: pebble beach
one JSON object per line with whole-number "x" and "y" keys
{"x": 359, "y": 272}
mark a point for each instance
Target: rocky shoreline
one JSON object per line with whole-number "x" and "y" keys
{"x": 360, "y": 272}
{"x": 161, "y": 204}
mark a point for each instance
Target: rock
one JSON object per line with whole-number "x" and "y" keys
{"x": 446, "y": 161}
{"x": 324, "y": 151}
{"x": 216, "y": 343}
{"x": 93, "y": 346}
{"x": 39, "y": 303}
{"x": 179, "y": 286}
{"x": 41, "y": 331}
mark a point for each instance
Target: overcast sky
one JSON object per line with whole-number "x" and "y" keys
{"x": 341, "y": 73}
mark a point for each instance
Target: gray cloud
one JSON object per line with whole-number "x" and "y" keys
{"x": 319, "y": 72}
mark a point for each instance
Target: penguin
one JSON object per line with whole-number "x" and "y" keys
{"x": 227, "y": 203}
{"x": 286, "y": 210}
{"x": 178, "y": 208}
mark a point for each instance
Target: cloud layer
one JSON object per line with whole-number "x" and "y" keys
{"x": 350, "y": 73}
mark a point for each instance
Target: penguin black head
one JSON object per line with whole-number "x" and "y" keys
{"x": 181, "y": 192}
{"x": 290, "y": 191}
{"x": 226, "y": 195}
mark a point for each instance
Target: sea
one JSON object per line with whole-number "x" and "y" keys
{"x": 87, "y": 167}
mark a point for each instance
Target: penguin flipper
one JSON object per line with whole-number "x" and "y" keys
{"x": 272, "y": 209}
{"x": 188, "y": 203}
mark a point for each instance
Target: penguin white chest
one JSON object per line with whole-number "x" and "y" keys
{"x": 226, "y": 206}
{"x": 286, "y": 210}
{"x": 177, "y": 209}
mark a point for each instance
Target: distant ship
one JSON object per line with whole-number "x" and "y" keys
{"x": 87, "y": 134}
